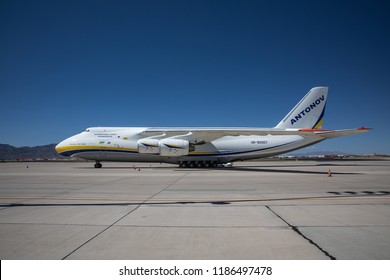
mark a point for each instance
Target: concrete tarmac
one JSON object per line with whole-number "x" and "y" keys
{"x": 255, "y": 210}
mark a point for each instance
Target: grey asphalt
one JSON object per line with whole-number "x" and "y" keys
{"x": 255, "y": 210}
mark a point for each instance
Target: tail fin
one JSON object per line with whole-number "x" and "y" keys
{"x": 309, "y": 112}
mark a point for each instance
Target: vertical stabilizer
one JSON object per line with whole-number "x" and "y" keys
{"x": 309, "y": 112}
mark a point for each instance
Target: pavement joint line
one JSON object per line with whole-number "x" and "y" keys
{"x": 130, "y": 212}
{"x": 294, "y": 228}
{"x": 195, "y": 200}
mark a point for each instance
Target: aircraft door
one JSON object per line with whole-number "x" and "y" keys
{"x": 103, "y": 152}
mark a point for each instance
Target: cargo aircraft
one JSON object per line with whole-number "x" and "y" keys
{"x": 206, "y": 147}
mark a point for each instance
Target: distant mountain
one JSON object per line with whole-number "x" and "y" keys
{"x": 8, "y": 152}
{"x": 319, "y": 153}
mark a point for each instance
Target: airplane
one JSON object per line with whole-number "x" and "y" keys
{"x": 206, "y": 147}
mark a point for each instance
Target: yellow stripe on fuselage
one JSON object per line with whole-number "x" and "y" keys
{"x": 98, "y": 148}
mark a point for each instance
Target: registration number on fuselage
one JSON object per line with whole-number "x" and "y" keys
{"x": 259, "y": 142}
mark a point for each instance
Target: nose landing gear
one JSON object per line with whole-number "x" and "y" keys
{"x": 98, "y": 164}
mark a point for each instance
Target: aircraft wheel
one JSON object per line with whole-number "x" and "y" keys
{"x": 98, "y": 165}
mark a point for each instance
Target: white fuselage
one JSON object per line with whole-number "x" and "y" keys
{"x": 122, "y": 144}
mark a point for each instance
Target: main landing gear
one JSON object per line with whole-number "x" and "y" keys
{"x": 198, "y": 164}
{"x": 98, "y": 164}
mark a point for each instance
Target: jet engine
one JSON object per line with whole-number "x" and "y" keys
{"x": 174, "y": 147}
{"x": 148, "y": 146}
{"x": 165, "y": 147}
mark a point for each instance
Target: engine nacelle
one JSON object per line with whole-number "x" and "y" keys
{"x": 148, "y": 146}
{"x": 174, "y": 147}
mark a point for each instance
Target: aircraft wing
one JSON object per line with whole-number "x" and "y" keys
{"x": 199, "y": 135}
{"x": 209, "y": 134}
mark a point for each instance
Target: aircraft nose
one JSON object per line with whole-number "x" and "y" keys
{"x": 59, "y": 147}
{"x": 66, "y": 146}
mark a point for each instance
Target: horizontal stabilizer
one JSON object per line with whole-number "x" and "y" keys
{"x": 327, "y": 134}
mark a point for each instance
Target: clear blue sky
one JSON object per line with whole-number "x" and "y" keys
{"x": 68, "y": 65}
